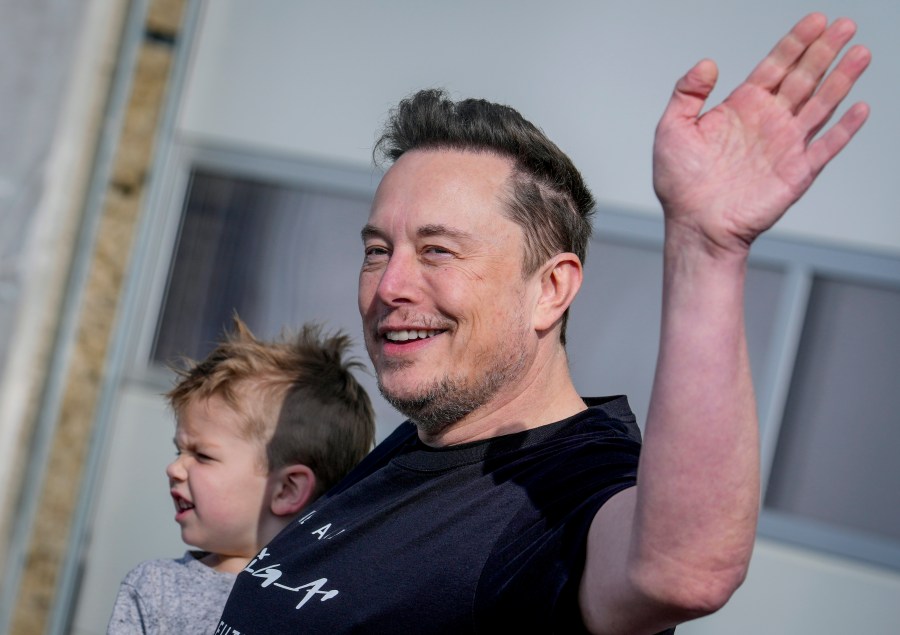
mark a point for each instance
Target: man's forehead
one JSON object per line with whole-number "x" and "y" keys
{"x": 450, "y": 168}
{"x": 440, "y": 186}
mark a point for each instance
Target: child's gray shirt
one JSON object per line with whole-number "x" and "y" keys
{"x": 170, "y": 596}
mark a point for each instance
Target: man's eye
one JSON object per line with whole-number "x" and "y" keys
{"x": 375, "y": 251}
{"x": 436, "y": 254}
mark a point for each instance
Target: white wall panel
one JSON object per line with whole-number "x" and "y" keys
{"x": 316, "y": 79}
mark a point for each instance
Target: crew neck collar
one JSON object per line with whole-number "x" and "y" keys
{"x": 421, "y": 457}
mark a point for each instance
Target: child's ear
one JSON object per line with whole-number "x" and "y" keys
{"x": 293, "y": 489}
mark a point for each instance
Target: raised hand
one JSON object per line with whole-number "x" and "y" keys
{"x": 730, "y": 174}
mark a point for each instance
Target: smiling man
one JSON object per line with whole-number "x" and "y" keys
{"x": 451, "y": 314}
{"x": 508, "y": 502}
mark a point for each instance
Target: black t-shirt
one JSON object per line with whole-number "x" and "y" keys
{"x": 482, "y": 537}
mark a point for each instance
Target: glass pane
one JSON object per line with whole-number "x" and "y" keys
{"x": 762, "y": 295}
{"x": 613, "y": 333}
{"x": 836, "y": 459}
{"x": 279, "y": 256}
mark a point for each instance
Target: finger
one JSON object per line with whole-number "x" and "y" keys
{"x": 801, "y": 82}
{"x": 819, "y": 109}
{"x": 826, "y": 147}
{"x": 771, "y": 71}
{"x": 692, "y": 91}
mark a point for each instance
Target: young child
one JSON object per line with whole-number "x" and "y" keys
{"x": 262, "y": 429}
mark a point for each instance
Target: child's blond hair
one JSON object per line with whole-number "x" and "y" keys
{"x": 295, "y": 394}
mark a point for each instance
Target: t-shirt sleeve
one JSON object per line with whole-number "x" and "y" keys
{"x": 535, "y": 570}
{"x": 130, "y": 615}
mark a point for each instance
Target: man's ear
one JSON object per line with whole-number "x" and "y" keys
{"x": 293, "y": 488}
{"x": 560, "y": 279}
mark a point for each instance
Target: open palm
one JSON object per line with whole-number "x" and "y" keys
{"x": 731, "y": 173}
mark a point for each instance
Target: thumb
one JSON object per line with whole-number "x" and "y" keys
{"x": 692, "y": 90}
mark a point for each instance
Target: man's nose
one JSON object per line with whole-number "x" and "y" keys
{"x": 400, "y": 280}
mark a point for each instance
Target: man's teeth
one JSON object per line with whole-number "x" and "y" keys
{"x": 404, "y": 336}
{"x": 183, "y": 505}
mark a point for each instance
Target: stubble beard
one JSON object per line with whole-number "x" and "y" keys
{"x": 448, "y": 400}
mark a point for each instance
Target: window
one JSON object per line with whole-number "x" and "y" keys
{"x": 276, "y": 255}
{"x": 279, "y": 249}
{"x": 279, "y": 243}
{"x": 835, "y": 463}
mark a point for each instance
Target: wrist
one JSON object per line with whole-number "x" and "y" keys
{"x": 688, "y": 241}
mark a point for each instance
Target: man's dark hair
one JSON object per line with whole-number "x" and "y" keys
{"x": 549, "y": 199}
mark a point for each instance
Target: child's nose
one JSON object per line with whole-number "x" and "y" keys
{"x": 175, "y": 470}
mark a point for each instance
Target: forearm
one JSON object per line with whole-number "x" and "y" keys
{"x": 698, "y": 481}
{"x": 679, "y": 544}
{"x": 676, "y": 546}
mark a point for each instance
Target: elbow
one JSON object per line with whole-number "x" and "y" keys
{"x": 690, "y": 594}
{"x": 651, "y": 598}
{"x": 712, "y": 594}
{"x": 651, "y": 602}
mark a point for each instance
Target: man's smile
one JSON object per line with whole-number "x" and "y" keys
{"x": 406, "y": 335}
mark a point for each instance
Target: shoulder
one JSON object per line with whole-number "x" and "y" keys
{"x": 563, "y": 473}
{"x": 603, "y": 435}
{"x": 611, "y": 416}
{"x": 138, "y": 605}
{"x": 173, "y": 595}
{"x": 577, "y": 463}
{"x": 149, "y": 572}
{"x": 606, "y": 429}
{"x": 167, "y": 571}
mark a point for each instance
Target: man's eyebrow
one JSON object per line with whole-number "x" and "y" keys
{"x": 425, "y": 231}
{"x": 442, "y": 230}
{"x": 370, "y": 231}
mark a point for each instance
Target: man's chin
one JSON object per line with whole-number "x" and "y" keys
{"x": 432, "y": 408}
{"x": 400, "y": 381}
{"x": 403, "y": 398}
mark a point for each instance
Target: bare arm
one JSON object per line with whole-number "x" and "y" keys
{"x": 678, "y": 545}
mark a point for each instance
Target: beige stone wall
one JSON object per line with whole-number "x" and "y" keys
{"x": 121, "y": 208}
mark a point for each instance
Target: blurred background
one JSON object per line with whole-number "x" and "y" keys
{"x": 167, "y": 162}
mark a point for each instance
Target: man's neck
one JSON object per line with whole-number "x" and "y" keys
{"x": 544, "y": 395}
